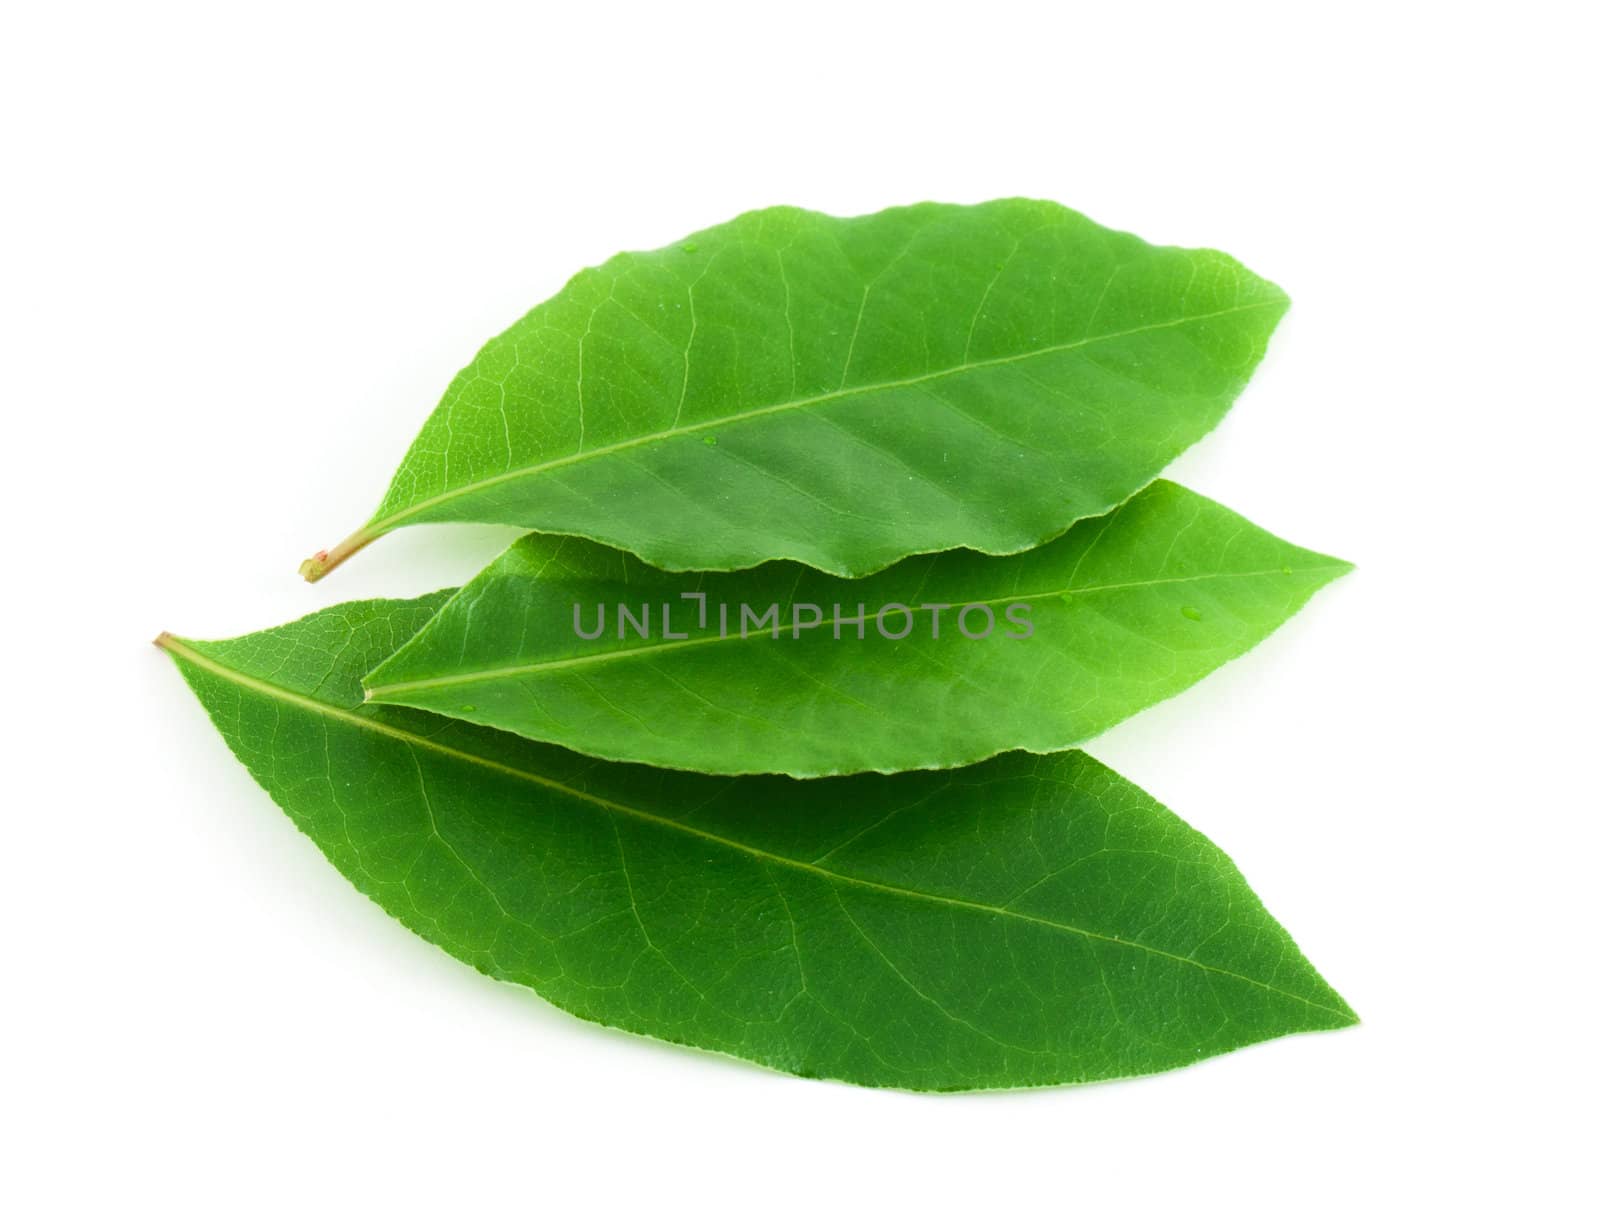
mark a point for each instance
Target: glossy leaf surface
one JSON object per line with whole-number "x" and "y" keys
{"x": 1030, "y": 921}
{"x": 1124, "y": 610}
{"x": 841, "y": 391}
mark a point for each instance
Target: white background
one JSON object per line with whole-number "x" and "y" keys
{"x": 246, "y": 246}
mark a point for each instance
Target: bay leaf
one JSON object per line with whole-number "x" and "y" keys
{"x": 1029, "y": 921}
{"x": 842, "y": 392}
{"x": 937, "y": 661}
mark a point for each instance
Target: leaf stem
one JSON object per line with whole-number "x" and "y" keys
{"x": 314, "y": 568}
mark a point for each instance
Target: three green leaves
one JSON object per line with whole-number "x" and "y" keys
{"x": 626, "y": 765}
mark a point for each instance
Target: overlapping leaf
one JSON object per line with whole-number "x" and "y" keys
{"x": 841, "y": 392}
{"x": 1030, "y": 921}
{"x": 960, "y": 655}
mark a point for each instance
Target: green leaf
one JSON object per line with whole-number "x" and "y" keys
{"x": 841, "y": 391}
{"x": 1032, "y": 920}
{"x": 1125, "y": 610}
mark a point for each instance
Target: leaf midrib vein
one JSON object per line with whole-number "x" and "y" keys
{"x": 381, "y": 525}
{"x": 524, "y": 669}
{"x": 253, "y": 684}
